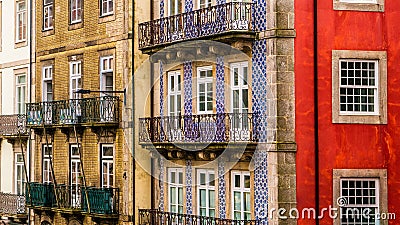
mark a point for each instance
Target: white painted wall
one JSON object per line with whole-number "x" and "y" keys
{"x": 11, "y": 58}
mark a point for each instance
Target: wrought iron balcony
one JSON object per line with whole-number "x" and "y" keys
{"x": 12, "y": 125}
{"x": 74, "y": 111}
{"x": 157, "y": 217}
{"x": 205, "y": 128}
{"x": 12, "y": 204}
{"x": 219, "y": 19}
{"x": 102, "y": 201}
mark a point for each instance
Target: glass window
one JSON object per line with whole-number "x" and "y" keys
{"x": 107, "y": 165}
{"x": 75, "y": 175}
{"x": 362, "y": 201}
{"x": 76, "y": 11}
{"x": 21, "y": 21}
{"x": 107, "y": 74}
{"x": 241, "y": 207}
{"x": 206, "y": 192}
{"x": 204, "y": 90}
{"x": 75, "y": 79}
{"x": 175, "y": 190}
{"x": 47, "y": 83}
{"x": 106, "y": 7}
{"x": 21, "y": 93}
{"x": 20, "y": 177}
{"x": 48, "y": 6}
{"x": 46, "y": 166}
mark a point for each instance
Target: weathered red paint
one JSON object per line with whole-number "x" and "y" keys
{"x": 344, "y": 146}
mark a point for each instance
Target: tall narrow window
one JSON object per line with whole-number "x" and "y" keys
{"x": 239, "y": 99}
{"x": 204, "y": 90}
{"x": 48, "y": 13}
{"x": 206, "y": 192}
{"x": 21, "y": 93}
{"x": 241, "y": 195}
{"x": 106, "y": 7}
{"x": 76, "y": 11}
{"x": 19, "y": 174}
{"x": 107, "y": 165}
{"x": 174, "y": 93}
{"x": 75, "y": 79}
{"x": 21, "y": 21}
{"x": 175, "y": 7}
{"x": 107, "y": 73}
{"x": 75, "y": 175}
{"x": 47, "y": 151}
{"x": 47, "y": 83}
{"x": 175, "y": 190}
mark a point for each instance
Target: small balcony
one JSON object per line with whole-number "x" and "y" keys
{"x": 85, "y": 111}
{"x": 12, "y": 205}
{"x": 13, "y": 125}
{"x": 103, "y": 202}
{"x": 157, "y": 217}
{"x": 223, "y": 22}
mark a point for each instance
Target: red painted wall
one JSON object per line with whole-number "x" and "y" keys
{"x": 344, "y": 146}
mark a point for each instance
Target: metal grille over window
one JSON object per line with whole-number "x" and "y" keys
{"x": 360, "y": 201}
{"x": 359, "y": 87}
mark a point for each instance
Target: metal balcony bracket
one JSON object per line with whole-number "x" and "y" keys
{"x": 105, "y": 134}
{"x": 69, "y": 133}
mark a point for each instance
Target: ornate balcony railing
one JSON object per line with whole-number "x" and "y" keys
{"x": 12, "y": 204}
{"x": 228, "y": 17}
{"x": 102, "y": 200}
{"x": 205, "y": 128}
{"x": 74, "y": 111}
{"x": 157, "y": 217}
{"x": 12, "y": 124}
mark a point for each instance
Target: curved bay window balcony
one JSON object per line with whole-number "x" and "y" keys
{"x": 85, "y": 111}
{"x": 157, "y": 217}
{"x": 220, "y": 22}
{"x": 103, "y": 202}
{"x": 12, "y": 125}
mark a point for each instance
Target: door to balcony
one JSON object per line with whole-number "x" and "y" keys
{"x": 174, "y": 105}
{"x": 75, "y": 177}
{"x": 240, "y": 101}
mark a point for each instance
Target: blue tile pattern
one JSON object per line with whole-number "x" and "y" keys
{"x": 261, "y": 186}
{"x": 189, "y": 181}
{"x": 161, "y": 185}
{"x": 260, "y": 15}
{"x": 161, "y": 8}
{"x": 219, "y": 2}
{"x": 188, "y": 5}
{"x": 161, "y": 89}
{"x": 220, "y": 86}
{"x": 187, "y": 87}
{"x": 259, "y": 90}
{"x": 221, "y": 190}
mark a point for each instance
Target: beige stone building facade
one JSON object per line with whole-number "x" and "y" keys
{"x": 83, "y": 159}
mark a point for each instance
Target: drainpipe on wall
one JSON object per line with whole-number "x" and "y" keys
{"x": 152, "y": 181}
{"x": 316, "y": 129}
{"x": 132, "y": 123}
{"x": 28, "y": 143}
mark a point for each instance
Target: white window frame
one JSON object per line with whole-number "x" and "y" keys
{"x": 243, "y": 191}
{"x": 205, "y": 4}
{"x": 207, "y": 81}
{"x": 174, "y": 183}
{"x": 21, "y": 21}
{"x": 354, "y": 86}
{"x": 47, "y": 77}
{"x": 177, "y": 5}
{"x": 48, "y": 6}
{"x": 207, "y": 187}
{"x": 240, "y": 86}
{"x": 106, "y": 67}
{"x": 109, "y": 162}
{"x": 351, "y": 205}
{"x": 78, "y": 10}
{"x": 75, "y": 74}
{"x": 175, "y": 91}
{"x": 46, "y": 160}
{"x": 108, "y": 11}
{"x": 19, "y": 89}
{"x": 19, "y": 171}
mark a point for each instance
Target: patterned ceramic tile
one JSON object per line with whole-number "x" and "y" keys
{"x": 189, "y": 194}
{"x": 161, "y": 89}
{"x": 161, "y": 8}
{"x": 261, "y": 185}
{"x": 221, "y": 190}
{"x": 188, "y": 5}
{"x": 187, "y": 87}
{"x": 161, "y": 185}
{"x": 260, "y": 15}
{"x": 220, "y": 86}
